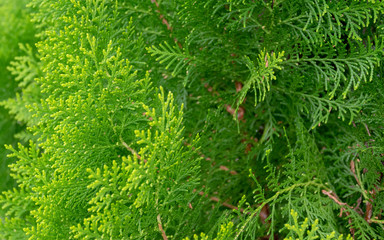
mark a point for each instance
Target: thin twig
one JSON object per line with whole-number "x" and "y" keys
{"x": 161, "y": 227}
{"x": 353, "y": 169}
{"x": 165, "y": 22}
{"x": 376, "y": 221}
{"x": 366, "y": 128}
{"x": 224, "y": 168}
{"x": 334, "y": 197}
{"x": 131, "y": 150}
{"x": 215, "y": 199}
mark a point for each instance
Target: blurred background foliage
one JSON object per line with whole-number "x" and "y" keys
{"x": 16, "y": 32}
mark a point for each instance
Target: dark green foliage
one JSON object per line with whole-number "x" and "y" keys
{"x": 198, "y": 120}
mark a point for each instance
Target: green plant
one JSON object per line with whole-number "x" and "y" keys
{"x": 303, "y": 233}
{"x": 199, "y": 120}
{"x": 16, "y": 34}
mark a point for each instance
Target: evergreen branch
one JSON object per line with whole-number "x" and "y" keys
{"x": 320, "y": 108}
{"x": 301, "y": 230}
{"x": 274, "y": 197}
{"x": 261, "y": 75}
{"x": 244, "y": 13}
{"x": 171, "y": 56}
{"x": 326, "y": 20}
{"x": 353, "y": 68}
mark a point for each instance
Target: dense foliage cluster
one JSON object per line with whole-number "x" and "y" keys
{"x": 15, "y": 29}
{"x": 170, "y": 119}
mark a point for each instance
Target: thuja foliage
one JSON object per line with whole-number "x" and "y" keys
{"x": 198, "y": 120}
{"x": 16, "y": 34}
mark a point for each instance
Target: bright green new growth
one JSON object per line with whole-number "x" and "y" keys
{"x": 225, "y": 232}
{"x": 304, "y": 234}
{"x": 137, "y": 193}
{"x": 222, "y": 120}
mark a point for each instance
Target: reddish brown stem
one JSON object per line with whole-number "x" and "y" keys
{"x": 161, "y": 228}
{"x": 131, "y": 150}
{"x": 165, "y": 21}
{"x": 215, "y": 199}
{"x": 335, "y": 198}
